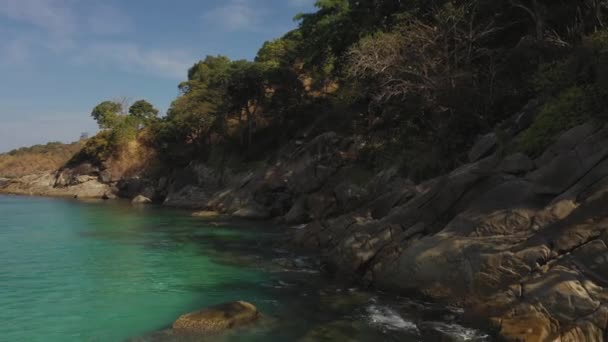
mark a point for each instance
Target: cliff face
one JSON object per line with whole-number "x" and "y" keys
{"x": 517, "y": 241}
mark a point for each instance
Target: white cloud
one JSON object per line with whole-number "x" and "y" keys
{"x": 237, "y": 15}
{"x": 131, "y": 57}
{"x": 55, "y": 16}
{"x": 65, "y": 30}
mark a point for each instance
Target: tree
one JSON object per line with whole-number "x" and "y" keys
{"x": 280, "y": 52}
{"x": 246, "y": 92}
{"x": 107, "y": 114}
{"x": 144, "y": 111}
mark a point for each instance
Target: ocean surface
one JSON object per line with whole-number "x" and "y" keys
{"x": 108, "y": 271}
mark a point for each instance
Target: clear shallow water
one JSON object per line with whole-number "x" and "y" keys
{"x": 74, "y": 271}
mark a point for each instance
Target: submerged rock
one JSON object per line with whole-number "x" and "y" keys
{"x": 141, "y": 200}
{"x": 252, "y": 213}
{"x": 217, "y": 318}
{"x": 206, "y": 214}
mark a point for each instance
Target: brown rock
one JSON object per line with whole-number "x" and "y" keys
{"x": 141, "y": 200}
{"x": 217, "y": 318}
{"x": 252, "y": 213}
{"x": 206, "y": 214}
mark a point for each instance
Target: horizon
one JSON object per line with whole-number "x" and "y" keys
{"x": 60, "y": 58}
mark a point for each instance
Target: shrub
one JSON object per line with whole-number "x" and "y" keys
{"x": 571, "y": 107}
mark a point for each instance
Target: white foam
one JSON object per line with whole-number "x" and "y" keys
{"x": 458, "y": 331}
{"x": 389, "y": 319}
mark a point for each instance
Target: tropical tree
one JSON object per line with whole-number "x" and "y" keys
{"x": 107, "y": 114}
{"x": 144, "y": 111}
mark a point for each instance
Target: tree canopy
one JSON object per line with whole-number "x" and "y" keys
{"x": 144, "y": 111}
{"x": 106, "y": 114}
{"x": 410, "y": 78}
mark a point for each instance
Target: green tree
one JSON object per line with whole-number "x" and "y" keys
{"x": 107, "y": 114}
{"x": 246, "y": 94}
{"x": 144, "y": 111}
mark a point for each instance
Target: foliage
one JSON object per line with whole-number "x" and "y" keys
{"x": 107, "y": 114}
{"x": 577, "y": 90}
{"x": 415, "y": 81}
{"x": 144, "y": 112}
{"x": 571, "y": 107}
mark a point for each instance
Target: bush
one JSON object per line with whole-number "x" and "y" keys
{"x": 571, "y": 107}
{"x": 96, "y": 150}
{"x": 577, "y": 91}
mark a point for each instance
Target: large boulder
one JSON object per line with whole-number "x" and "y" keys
{"x": 217, "y": 318}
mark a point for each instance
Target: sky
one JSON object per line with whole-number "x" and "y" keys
{"x": 59, "y": 58}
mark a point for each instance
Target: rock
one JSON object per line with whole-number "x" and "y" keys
{"x": 567, "y": 142}
{"x": 523, "y": 119}
{"x": 320, "y": 205}
{"x": 84, "y": 178}
{"x": 344, "y": 331}
{"x": 217, "y": 318}
{"x": 46, "y": 185}
{"x": 131, "y": 187}
{"x": 277, "y": 202}
{"x": 150, "y": 192}
{"x": 105, "y": 176}
{"x": 298, "y": 212}
{"x": 525, "y": 248}
{"x": 483, "y": 147}
{"x": 517, "y": 163}
{"x": 349, "y": 196}
{"x": 108, "y": 196}
{"x": 190, "y": 197}
{"x": 141, "y": 200}
{"x": 206, "y": 214}
{"x": 569, "y": 159}
{"x": 163, "y": 183}
{"x": 252, "y": 213}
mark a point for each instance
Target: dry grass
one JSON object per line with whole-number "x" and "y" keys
{"x": 37, "y": 159}
{"x": 133, "y": 158}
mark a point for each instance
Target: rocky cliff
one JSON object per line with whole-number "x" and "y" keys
{"x": 519, "y": 241}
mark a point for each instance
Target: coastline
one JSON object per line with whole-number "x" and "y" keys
{"x": 502, "y": 236}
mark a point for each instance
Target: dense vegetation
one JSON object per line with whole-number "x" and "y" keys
{"x": 414, "y": 81}
{"x": 37, "y": 159}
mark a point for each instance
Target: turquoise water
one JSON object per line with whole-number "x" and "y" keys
{"x": 74, "y": 271}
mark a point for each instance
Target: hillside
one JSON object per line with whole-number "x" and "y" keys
{"x": 37, "y": 159}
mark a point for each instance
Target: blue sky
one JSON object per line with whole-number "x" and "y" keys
{"x": 58, "y": 58}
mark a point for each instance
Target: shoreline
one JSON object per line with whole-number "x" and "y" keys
{"x": 501, "y": 236}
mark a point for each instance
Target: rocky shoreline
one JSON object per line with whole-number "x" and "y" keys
{"x": 519, "y": 243}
